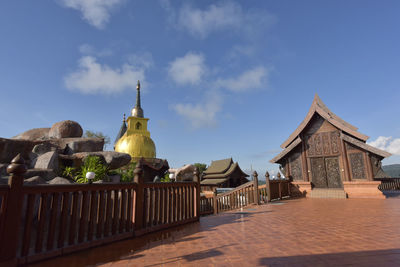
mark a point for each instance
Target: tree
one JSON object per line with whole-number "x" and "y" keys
{"x": 106, "y": 138}
{"x": 201, "y": 167}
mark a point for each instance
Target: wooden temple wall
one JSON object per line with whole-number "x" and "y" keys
{"x": 322, "y": 144}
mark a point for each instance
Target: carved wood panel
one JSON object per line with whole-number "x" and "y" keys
{"x": 295, "y": 166}
{"x": 333, "y": 172}
{"x": 318, "y": 172}
{"x": 323, "y": 144}
{"x": 318, "y": 144}
{"x": 357, "y": 165}
{"x": 335, "y": 142}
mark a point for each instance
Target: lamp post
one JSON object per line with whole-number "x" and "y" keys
{"x": 90, "y": 176}
{"x": 172, "y": 177}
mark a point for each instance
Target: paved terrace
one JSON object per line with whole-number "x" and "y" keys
{"x": 300, "y": 232}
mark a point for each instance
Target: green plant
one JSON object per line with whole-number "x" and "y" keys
{"x": 127, "y": 172}
{"x": 201, "y": 167}
{"x": 69, "y": 172}
{"x": 166, "y": 178}
{"x": 91, "y": 164}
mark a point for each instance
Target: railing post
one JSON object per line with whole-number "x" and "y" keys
{"x": 268, "y": 186}
{"x": 197, "y": 179}
{"x": 215, "y": 202}
{"x": 139, "y": 202}
{"x": 279, "y": 185}
{"x": 256, "y": 193}
{"x": 9, "y": 238}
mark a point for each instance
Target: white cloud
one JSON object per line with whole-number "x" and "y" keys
{"x": 87, "y": 49}
{"x": 389, "y": 144}
{"x": 216, "y": 17}
{"x": 203, "y": 114}
{"x": 93, "y": 77}
{"x": 188, "y": 69}
{"x": 144, "y": 59}
{"x": 255, "y": 78}
{"x": 221, "y": 16}
{"x": 96, "y": 12}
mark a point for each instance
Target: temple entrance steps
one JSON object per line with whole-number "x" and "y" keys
{"x": 328, "y": 193}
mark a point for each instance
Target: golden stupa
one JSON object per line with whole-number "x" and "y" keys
{"x": 136, "y": 140}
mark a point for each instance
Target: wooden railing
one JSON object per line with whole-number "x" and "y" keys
{"x": 240, "y": 197}
{"x": 388, "y": 183}
{"x": 42, "y": 221}
{"x": 206, "y": 205}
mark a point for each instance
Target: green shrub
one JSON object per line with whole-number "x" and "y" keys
{"x": 127, "y": 172}
{"x": 91, "y": 164}
{"x": 69, "y": 172}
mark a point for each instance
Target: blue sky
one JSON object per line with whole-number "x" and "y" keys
{"x": 219, "y": 78}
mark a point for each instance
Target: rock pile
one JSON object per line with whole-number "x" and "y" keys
{"x": 45, "y": 150}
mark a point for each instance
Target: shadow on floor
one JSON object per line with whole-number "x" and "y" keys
{"x": 361, "y": 258}
{"x": 132, "y": 248}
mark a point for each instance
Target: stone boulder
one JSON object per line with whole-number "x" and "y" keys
{"x": 184, "y": 173}
{"x": 113, "y": 159}
{"x": 60, "y": 180}
{"x": 3, "y": 169}
{"x": 34, "y": 134}
{"x": 75, "y": 145}
{"x": 46, "y": 174}
{"x": 48, "y": 160}
{"x": 35, "y": 180}
{"x": 44, "y": 148}
{"x": 9, "y": 148}
{"x": 65, "y": 129}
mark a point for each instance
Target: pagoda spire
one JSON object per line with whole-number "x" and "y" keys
{"x": 137, "y": 111}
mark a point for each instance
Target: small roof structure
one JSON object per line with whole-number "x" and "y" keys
{"x": 348, "y": 133}
{"x": 220, "y": 171}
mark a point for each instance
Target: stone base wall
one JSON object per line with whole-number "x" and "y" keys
{"x": 363, "y": 189}
{"x": 300, "y": 188}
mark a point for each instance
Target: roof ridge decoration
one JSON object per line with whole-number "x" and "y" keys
{"x": 319, "y": 107}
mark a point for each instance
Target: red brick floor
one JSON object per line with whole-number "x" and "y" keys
{"x": 301, "y": 232}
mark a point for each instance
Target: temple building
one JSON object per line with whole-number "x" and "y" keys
{"x": 134, "y": 139}
{"x": 223, "y": 173}
{"x": 327, "y": 157}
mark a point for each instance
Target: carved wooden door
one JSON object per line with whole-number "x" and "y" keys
{"x": 318, "y": 172}
{"x": 333, "y": 172}
{"x": 326, "y": 172}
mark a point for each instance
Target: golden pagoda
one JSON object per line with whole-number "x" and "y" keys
{"x": 136, "y": 140}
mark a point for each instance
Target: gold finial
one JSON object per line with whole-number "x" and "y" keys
{"x": 124, "y": 117}
{"x": 138, "y": 85}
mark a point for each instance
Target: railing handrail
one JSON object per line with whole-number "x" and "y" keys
{"x": 236, "y": 189}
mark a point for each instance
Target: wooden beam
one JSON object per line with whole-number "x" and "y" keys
{"x": 367, "y": 159}
{"x": 304, "y": 165}
{"x": 345, "y": 159}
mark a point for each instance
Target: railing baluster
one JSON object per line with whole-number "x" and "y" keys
{"x": 115, "y": 211}
{"x": 92, "y": 216}
{"x": 74, "y": 215}
{"x": 108, "y": 214}
{"x": 26, "y": 240}
{"x": 122, "y": 220}
{"x": 63, "y": 220}
{"x": 83, "y": 219}
{"x": 53, "y": 220}
{"x": 101, "y": 211}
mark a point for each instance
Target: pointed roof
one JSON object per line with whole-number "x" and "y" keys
{"x": 221, "y": 169}
{"x": 319, "y": 107}
{"x": 122, "y": 130}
